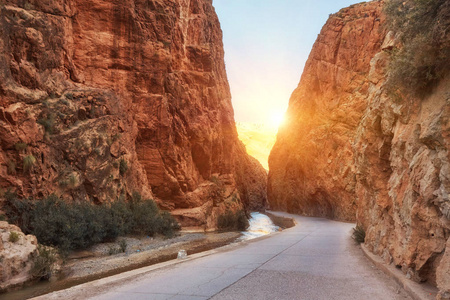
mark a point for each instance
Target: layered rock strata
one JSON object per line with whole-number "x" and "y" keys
{"x": 103, "y": 98}
{"x": 352, "y": 151}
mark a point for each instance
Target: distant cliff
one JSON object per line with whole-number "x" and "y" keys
{"x": 103, "y": 98}
{"x": 258, "y": 140}
{"x": 354, "y": 150}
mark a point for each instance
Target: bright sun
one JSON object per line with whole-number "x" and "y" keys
{"x": 277, "y": 119}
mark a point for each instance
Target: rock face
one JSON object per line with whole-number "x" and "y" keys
{"x": 16, "y": 256}
{"x": 103, "y": 98}
{"x": 310, "y": 165}
{"x": 351, "y": 151}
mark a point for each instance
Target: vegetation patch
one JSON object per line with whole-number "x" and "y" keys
{"x": 44, "y": 262}
{"x": 123, "y": 167}
{"x": 13, "y": 236}
{"x": 73, "y": 180}
{"x": 422, "y": 58}
{"x": 48, "y": 123}
{"x": 359, "y": 234}
{"x": 69, "y": 96}
{"x": 21, "y": 146}
{"x": 11, "y": 167}
{"x": 232, "y": 221}
{"x": 122, "y": 248}
{"x": 79, "y": 225}
{"x": 28, "y": 163}
{"x": 123, "y": 245}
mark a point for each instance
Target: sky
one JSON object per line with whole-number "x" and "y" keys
{"x": 267, "y": 43}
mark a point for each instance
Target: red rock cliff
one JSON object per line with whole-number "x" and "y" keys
{"x": 109, "y": 97}
{"x": 310, "y": 165}
{"x": 350, "y": 151}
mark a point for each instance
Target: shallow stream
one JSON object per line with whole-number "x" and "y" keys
{"x": 260, "y": 225}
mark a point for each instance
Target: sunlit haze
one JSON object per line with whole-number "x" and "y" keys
{"x": 267, "y": 43}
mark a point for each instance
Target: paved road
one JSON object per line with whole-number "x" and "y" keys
{"x": 314, "y": 260}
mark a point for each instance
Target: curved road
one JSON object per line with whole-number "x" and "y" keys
{"x": 316, "y": 259}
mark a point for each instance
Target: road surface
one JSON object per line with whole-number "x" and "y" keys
{"x": 316, "y": 259}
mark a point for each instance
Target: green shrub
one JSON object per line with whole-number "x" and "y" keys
{"x": 148, "y": 219}
{"x": 63, "y": 183}
{"x": 48, "y": 123}
{"x": 123, "y": 245}
{"x": 73, "y": 180}
{"x": 13, "y": 236}
{"x": 112, "y": 250}
{"x": 69, "y": 96}
{"x": 121, "y": 249}
{"x": 21, "y": 146}
{"x": 122, "y": 216}
{"x": 71, "y": 226}
{"x": 28, "y": 6}
{"x": 422, "y": 59}
{"x": 241, "y": 220}
{"x": 98, "y": 151}
{"x": 79, "y": 225}
{"x": 44, "y": 262}
{"x": 359, "y": 234}
{"x": 232, "y": 221}
{"x": 18, "y": 212}
{"x": 123, "y": 167}
{"x": 28, "y": 162}
{"x": 167, "y": 225}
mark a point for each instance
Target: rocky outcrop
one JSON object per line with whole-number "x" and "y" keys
{"x": 16, "y": 255}
{"x": 402, "y": 166}
{"x": 310, "y": 165}
{"x": 352, "y": 151}
{"x": 102, "y": 98}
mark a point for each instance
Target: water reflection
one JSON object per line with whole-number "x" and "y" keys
{"x": 260, "y": 225}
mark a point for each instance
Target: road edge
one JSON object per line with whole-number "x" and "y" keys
{"x": 76, "y": 291}
{"x": 417, "y": 291}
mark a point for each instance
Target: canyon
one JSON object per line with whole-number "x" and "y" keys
{"x": 352, "y": 151}
{"x": 102, "y": 99}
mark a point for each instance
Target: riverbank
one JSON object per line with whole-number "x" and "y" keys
{"x": 105, "y": 259}
{"x": 130, "y": 253}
